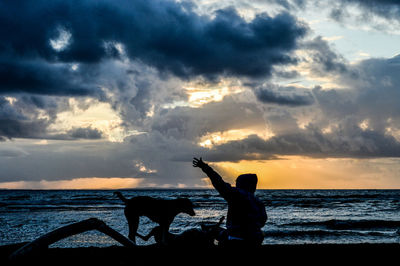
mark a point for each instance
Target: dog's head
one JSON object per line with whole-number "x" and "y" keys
{"x": 186, "y": 206}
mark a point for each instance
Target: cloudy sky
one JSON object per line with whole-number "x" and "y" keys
{"x": 121, "y": 94}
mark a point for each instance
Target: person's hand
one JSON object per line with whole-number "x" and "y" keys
{"x": 198, "y": 163}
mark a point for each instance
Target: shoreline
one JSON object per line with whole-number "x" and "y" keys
{"x": 153, "y": 255}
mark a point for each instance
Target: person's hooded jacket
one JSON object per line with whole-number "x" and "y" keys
{"x": 246, "y": 213}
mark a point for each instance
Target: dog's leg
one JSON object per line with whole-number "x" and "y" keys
{"x": 133, "y": 223}
{"x": 164, "y": 233}
{"x": 164, "y": 236}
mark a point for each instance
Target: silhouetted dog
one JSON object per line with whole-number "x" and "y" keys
{"x": 160, "y": 211}
{"x": 203, "y": 237}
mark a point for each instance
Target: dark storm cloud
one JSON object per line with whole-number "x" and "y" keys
{"x": 356, "y": 121}
{"x": 289, "y": 96}
{"x": 286, "y": 74}
{"x": 12, "y": 128}
{"x": 341, "y": 9}
{"x": 20, "y": 120}
{"x": 192, "y": 123}
{"x": 389, "y": 9}
{"x": 287, "y": 4}
{"x": 167, "y": 35}
{"x": 27, "y": 116}
{"x": 349, "y": 122}
{"x": 324, "y": 60}
{"x": 38, "y": 129}
{"x": 373, "y": 95}
{"x": 67, "y": 48}
{"x": 85, "y": 133}
{"x": 345, "y": 142}
{"x": 38, "y": 77}
{"x": 361, "y": 117}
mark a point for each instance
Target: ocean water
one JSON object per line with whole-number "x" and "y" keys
{"x": 294, "y": 216}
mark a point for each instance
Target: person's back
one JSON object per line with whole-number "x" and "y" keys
{"x": 246, "y": 213}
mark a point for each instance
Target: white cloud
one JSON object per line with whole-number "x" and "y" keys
{"x": 333, "y": 38}
{"x": 62, "y": 41}
{"x": 142, "y": 168}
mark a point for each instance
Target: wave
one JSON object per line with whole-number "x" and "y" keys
{"x": 329, "y": 202}
{"x": 19, "y": 197}
{"x": 93, "y": 198}
{"x": 327, "y": 198}
{"x": 64, "y": 207}
{"x": 350, "y": 224}
{"x": 325, "y": 234}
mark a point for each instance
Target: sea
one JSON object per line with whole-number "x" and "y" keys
{"x": 294, "y": 216}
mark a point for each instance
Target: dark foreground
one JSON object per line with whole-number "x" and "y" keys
{"x": 330, "y": 254}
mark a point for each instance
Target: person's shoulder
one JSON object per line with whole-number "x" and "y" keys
{"x": 237, "y": 193}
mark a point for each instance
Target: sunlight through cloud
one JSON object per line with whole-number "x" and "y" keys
{"x": 217, "y": 138}
{"x": 201, "y": 96}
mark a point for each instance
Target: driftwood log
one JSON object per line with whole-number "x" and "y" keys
{"x": 76, "y": 228}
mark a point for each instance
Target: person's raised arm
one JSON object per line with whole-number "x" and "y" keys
{"x": 220, "y": 185}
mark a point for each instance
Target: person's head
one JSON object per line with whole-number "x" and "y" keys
{"x": 247, "y": 182}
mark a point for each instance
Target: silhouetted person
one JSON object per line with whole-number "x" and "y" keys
{"x": 246, "y": 213}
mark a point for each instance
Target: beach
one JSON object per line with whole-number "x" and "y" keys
{"x": 312, "y": 254}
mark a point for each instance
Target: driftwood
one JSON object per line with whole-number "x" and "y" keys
{"x": 76, "y": 228}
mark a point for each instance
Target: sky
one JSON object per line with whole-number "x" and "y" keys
{"x": 110, "y": 94}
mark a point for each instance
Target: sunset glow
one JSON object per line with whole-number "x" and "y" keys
{"x": 307, "y": 173}
{"x": 78, "y": 183}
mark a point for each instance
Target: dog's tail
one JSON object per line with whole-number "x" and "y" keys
{"x": 119, "y": 194}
